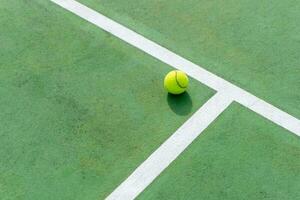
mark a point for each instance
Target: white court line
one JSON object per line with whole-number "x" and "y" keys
{"x": 241, "y": 96}
{"x": 171, "y": 148}
{"x": 226, "y": 93}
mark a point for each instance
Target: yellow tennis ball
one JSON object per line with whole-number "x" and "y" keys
{"x": 176, "y": 82}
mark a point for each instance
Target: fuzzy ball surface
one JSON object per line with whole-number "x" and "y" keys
{"x": 176, "y": 82}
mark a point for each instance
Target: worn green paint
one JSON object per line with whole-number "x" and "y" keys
{"x": 240, "y": 156}
{"x": 80, "y": 109}
{"x": 254, "y": 44}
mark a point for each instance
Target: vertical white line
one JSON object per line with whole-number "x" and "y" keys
{"x": 160, "y": 159}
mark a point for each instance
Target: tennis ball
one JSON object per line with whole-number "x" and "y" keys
{"x": 176, "y": 82}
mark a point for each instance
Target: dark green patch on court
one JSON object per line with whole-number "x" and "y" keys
{"x": 80, "y": 109}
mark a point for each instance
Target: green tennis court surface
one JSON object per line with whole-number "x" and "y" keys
{"x": 254, "y": 44}
{"x": 77, "y": 117}
{"x": 82, "y": 109}
{"x": 241, "y": 156}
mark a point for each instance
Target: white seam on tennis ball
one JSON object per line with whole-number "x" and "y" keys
{"x": 177, "y": 82}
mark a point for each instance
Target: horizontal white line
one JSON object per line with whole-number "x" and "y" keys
{"x": 268, "y": 111}
{"x": 250, "y": 101}
{"x": 171, "y": 148}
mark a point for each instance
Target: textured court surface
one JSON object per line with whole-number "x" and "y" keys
{"x": 254, "y": 44}
{"x": 240, "y": 156}
{"x": 77, "y": 117}
{"x": 81, "y": 109}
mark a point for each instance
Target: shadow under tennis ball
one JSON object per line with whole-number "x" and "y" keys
{"x": 180, "y": 104}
